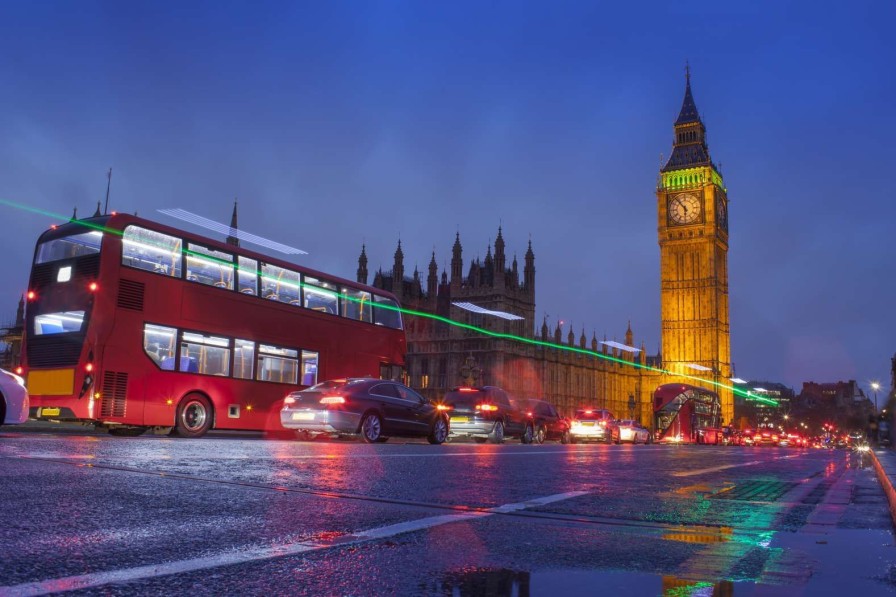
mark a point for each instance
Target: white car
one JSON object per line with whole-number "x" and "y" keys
{"x": 13, "y": 398}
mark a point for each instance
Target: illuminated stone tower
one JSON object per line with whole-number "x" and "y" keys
{"x": 692, "y": 209}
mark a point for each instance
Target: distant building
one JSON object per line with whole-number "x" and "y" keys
{"x": 754, "y": 413}
{"x": 842, "y": 403}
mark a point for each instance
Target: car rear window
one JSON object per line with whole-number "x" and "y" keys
{"x": 466, "y": 397}
{"x": 595, "y": 415}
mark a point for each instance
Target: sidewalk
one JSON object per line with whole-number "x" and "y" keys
{"x": 885, "y": 465}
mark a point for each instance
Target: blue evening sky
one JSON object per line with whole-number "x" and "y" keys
{"x": 337, "y": 123}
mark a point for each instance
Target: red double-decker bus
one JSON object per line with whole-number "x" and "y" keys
{"x": 687, "y": 414}
{"x": 135, "y": 325}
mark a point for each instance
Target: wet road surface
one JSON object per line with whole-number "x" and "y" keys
{"x": 224, "y": 514}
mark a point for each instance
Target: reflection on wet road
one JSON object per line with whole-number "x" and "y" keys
{"x": 95, "y": 514}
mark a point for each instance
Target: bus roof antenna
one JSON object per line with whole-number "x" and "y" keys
{"x": 108, "y": 184}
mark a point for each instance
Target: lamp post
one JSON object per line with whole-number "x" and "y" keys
{"x": 875, "y": 386}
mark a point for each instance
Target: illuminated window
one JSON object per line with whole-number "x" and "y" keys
{"x": 151, "y": 251}
{"x": 61, "y": 322}
{"x": 309, "y": 367}
{"x": 280, "y": 284}
{"x": 243, "y": 358}
{"x": 387, "y": 312}
{"x": 208, "y": 266}
{"x": 248, "y": 275}
{"x": 356, "y": 305}
{"x": 200, "y": 353}
{"x": 69, "y": 247}
{"x": 321, "y": 295}
{"x": 159, "y": 344}
{"x": 277, "y": 364}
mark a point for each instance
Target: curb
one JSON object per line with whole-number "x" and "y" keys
{"x": 887, "y": 484}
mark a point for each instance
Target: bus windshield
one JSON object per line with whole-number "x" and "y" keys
{"x": 69, "y": 247}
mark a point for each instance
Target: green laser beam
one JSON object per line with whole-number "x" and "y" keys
{"x": 424, "y": 315}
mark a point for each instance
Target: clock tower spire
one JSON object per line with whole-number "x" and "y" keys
{"x": 692, "y": 209}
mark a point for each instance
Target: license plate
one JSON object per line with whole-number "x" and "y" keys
{"x": 302, "y": 416}
{"x": 460, "y": 419}
{"x": 587, "y": 424}
{"x": 49, "y": 412}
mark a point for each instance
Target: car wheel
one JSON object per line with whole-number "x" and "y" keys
{"x": 126, "y": 431}
{"x": 371, "y": 428}
{"x": 565, "y": 438}
{"x": 528, "y": 435}
{"x": 439, "y": 432}
{"x": 194, "y": 416}
{"x": 497, "y": 434}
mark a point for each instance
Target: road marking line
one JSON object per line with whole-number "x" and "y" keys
{"x": 256, "y": 554}
{"x": 723, "y": 467}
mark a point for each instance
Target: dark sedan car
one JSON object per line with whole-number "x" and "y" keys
{"x": 374, "y": 408}
{"x": 549, "y": 424}
{"x": 487, "y": 413}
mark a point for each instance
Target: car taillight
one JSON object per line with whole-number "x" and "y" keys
{"x": 602, "y": 423}
{"x": 443, "y": 407}
{"x": 20, "y": 370}
{"x": 332, "y": 400}
{"x": 467, "y": 390}
{"x": 486, "y": 407}
{"x": 31, "y": 295}
{"x": 92, "y": 287}
{"x": 289, "y": 400}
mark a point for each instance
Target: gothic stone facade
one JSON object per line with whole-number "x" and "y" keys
{"x": 442, "y": 356}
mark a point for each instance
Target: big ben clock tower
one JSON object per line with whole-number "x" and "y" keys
{"x": 692, "y": 205}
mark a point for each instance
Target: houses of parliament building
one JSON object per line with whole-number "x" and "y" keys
{"x": 570, "y": 369}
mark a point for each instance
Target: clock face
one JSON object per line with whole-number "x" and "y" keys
{"x": 684, "y": 208}
{"x": 721, "y": 213}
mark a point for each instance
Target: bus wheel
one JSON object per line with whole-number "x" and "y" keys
{"x": 126, "y": 431}
{"x": 371, "y": 428}
{"x": 194, "y": 416}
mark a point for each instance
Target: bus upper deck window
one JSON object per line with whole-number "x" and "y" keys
{"x": 69, "y": 247}
{"x": 151, "y": 251}
{"x": 387, "y": 312}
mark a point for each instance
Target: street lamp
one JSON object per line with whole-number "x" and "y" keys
{"x": 875, "y": 386}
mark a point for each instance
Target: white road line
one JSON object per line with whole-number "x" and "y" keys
{"x": 257, "y": 554}
{"x": 727, "y": 466}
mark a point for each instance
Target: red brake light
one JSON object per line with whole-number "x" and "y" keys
{"x": 31, "y": 295}
{"x": 589, "y": 412}
{"x": 332, "y": 400}
{"x": 19, "y": 370}
{"x": 289, "y": 400}
{"x": 467, "y": 390}
{"x": 443, "y": 407}
{"x": 92, "y": 286}
{"x": 486, "y": 407}
{"x": 88, "y": 367}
